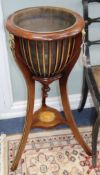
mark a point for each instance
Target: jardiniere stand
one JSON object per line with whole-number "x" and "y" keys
{"x": 46, "y": 46}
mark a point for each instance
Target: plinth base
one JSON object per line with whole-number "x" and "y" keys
{"x": 47, "y": 117}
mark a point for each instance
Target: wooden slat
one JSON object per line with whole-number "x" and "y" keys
{"x": 57, "y": 55}
{"x": 72, "y": 48}
{"x": 43, "y": 58}
{"x": 62, "y": 56}
{"x": 24, "y": 52}
{"x": 68, "y": 50}
{"x": 37, "y": 57}
{"x": 30, "y": 57}
{"x": 50, "y": 58}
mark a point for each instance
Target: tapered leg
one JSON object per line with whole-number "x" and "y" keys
{"x": 27, "y": 126}
{"x": 94, "y": 139}
{"x": 84, "y": 93}
{"x": 30, "y": 103}
{"x": 69, "y": 116}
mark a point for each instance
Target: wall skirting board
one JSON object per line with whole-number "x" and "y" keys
{"x": 18, "y": 109}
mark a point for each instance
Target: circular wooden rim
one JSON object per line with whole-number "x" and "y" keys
{"x": 70, "y": 31}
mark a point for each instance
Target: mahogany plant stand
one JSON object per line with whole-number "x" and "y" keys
{"x": 46, "y": 117}
{"x": 46, "y": 46}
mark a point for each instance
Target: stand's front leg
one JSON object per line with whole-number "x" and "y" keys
{"x": 69, "y": 116}
{"x": 30, "y": 103}
{"x": 27, "y": 126}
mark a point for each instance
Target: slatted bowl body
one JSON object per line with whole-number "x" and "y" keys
{"x": 47, "y": 38}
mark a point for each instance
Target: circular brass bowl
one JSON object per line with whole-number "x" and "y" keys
{"x": 47, "y": 38}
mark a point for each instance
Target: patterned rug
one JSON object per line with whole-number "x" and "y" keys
{"x": 51, "y": 153}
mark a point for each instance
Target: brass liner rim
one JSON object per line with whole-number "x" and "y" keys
{"x": 60, "y": 34}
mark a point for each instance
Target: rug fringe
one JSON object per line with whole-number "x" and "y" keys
{"x": 2, "y": 142}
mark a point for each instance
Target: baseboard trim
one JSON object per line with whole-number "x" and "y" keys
{"x": 18, "y": 109}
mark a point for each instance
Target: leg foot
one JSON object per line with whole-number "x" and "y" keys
{"x": 69, "y": 116}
